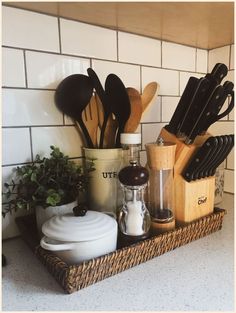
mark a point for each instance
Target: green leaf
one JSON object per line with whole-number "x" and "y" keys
{"x": 33, "y": 177}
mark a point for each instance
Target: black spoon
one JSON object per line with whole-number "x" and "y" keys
{"x": 104, "y": 99}
{"x": 72, "y": 96}
{"x": 119, "y": 101}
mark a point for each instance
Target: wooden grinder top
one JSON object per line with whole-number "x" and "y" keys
{"x": 161, "y": 155}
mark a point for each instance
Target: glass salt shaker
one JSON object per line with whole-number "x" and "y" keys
{"x": 133, "y": 219}
{"x": 131, "y": 146}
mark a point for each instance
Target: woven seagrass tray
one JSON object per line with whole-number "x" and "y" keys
{"x": 76, "y": 277}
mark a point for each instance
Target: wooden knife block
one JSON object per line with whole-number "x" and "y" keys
{"x": 195, "y": 199}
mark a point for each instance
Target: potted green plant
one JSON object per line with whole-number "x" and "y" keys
{"x": 51, "y": 186}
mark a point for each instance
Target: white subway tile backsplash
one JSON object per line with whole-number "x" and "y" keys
{"x": 139, "y": 49}
{"x": 202, "y": 60}
{"x": 229, "y": 181}
{"x": 129, "y": 74}
{"x": 231, "y": 63}
{"x": 222, "y": 128}
{"x": 22, "y": 107}
{"x": 13, "y": 68}
{"x": 230, "y": 160}
{"x": 66, "y": 138}
{"x": 153, "y": 112}
{"x": 25, "y": 29}
{"x": 150, "y": 133}
{"x": 143, "y": 158}
{"x": 88, "y": 40}
{"x": 168, "y": 107}
{"x": 184, "y": 77}
{"x": 230, "y": 76}
{"x": 167, "y": 79}
{"x": 218, "y": 55}
{"x": 16, "y": 146}
{"x": 178, "y": 57}
{"x": 46, "y": 70}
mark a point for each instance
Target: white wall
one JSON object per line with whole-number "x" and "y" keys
{"x": 40, "y": 50}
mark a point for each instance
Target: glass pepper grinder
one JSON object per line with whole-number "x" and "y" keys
{"x": 133, "y": 219}
{"x": 160, "y": 162}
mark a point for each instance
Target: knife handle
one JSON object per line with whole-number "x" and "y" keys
{"x": 199, "y": 158}
{"x": 224, "y": 155}
{"x": 218, "y": 72}
{"x": 182, "y": 105}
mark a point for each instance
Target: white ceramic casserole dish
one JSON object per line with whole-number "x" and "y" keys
{"x": 80, "y": 238}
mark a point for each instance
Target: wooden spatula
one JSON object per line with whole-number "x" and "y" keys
{"x": 111, "y": 126}
{"x": 90, "y": 119}
{"x": 149, "y": 93}
{"x": 136, "y": 110}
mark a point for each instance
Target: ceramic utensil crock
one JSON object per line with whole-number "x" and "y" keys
{"x": 80, "y": 238}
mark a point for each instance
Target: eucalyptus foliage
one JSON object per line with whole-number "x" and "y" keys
{"x": 46, "y": 182}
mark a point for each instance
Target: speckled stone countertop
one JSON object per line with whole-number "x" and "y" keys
{"x": 198, "y": 276}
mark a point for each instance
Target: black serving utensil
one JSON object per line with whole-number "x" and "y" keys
{"x": 104, "y": 100}
{"x": 119, "y": 101}
{"x": 72, "y": 96}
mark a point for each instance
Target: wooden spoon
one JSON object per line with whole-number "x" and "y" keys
{"x": 90, "y": 119}
{"x": 72, "y": 96}
{"x": 136, "y": 110}
{"x": 149, "y": 93}
{"x": 111, "y": 127}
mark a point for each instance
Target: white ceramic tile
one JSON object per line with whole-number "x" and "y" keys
{"x": 46, "y": 70}
{"x": 202, "y": 61}
{"x": 88, "y": 40}
{"x": 153, "y": 112}
{"x": 30, "y": 30}
{"x": 16, "y": 146}
{"x": 229, "y": 181}
{"x": 230, "y": 160}
{"x": 184, "y": 77}
{"x": 139, "y": 49}
{"x": 231, "y": 64}
{"x": 24, "y": 107}
{"x": 167, "y": 79}
{"x": 221, "y": 128}
{"x": 66, "y": 138}
{"x": 150, "y": 133}
{"x": 168, "y": 107}
{"x": 218, "y": 55}
{"x": 13, "y": 69}
{"x": 129, "y": 74}
{"x": 231, "y": 115}
{"x": 177, "y": 56}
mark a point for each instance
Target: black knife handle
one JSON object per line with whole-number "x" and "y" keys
{"x": 218, "y": 72}
{"x": 182, "y": 105}
{"x": 220, "y": 147}
{"x": 199, "y": 158}
{"x": 205, "y": 165}
{"x": 204, "y": 114}
{"x": 224, "y": 155}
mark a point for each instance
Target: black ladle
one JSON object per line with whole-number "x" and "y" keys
{"x": 72, "y": 96}
{"x": 119, "y": 102}
{"x": 104, "y": 99}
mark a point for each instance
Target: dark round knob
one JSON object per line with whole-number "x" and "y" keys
{"x": 80, "y": 210}
{"x": 133, "y": 175}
